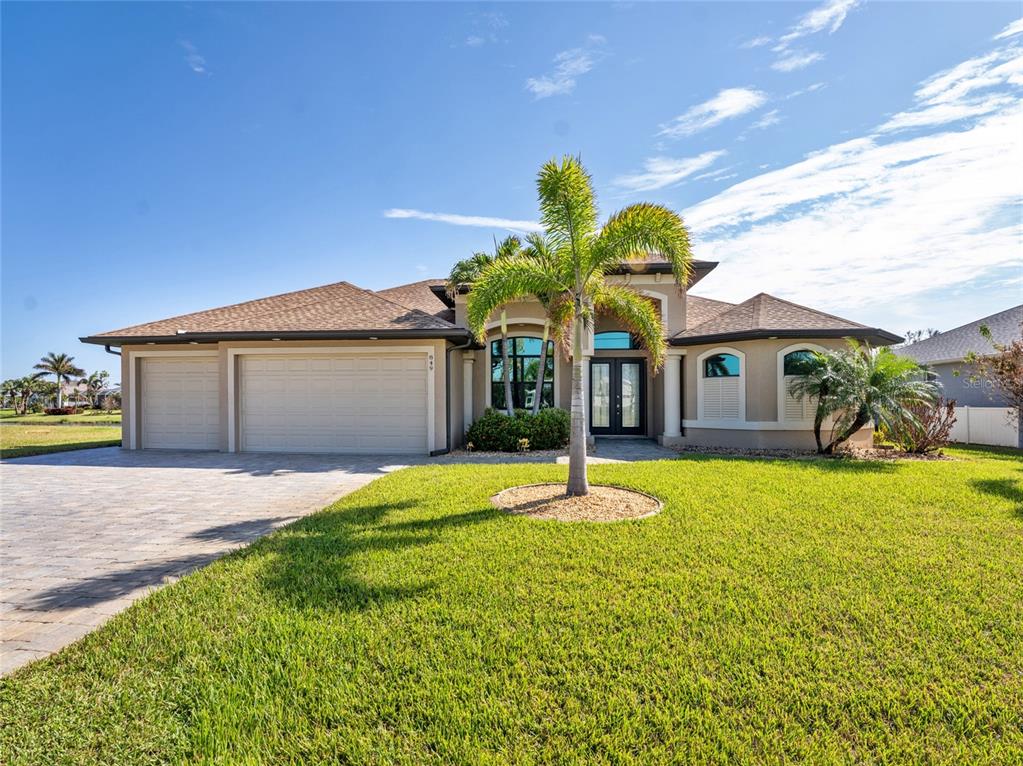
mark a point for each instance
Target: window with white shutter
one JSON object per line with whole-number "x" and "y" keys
{"x": 722, "y": 387}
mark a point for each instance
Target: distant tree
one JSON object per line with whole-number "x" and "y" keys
{"x": 94, "y": 385}
{"x": 19, "y": 391}
{"x": 914, "y": 336}
{"x": 62, "y": 367}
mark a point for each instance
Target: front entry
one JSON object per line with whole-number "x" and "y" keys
{"x": 618, "y": 396}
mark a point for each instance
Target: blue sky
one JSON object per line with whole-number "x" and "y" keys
{"x": 863, "y": 158}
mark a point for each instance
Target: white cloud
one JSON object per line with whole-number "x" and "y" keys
{"x": 826, "y": 17}
{"x": 790, "y": 61}
{"x": 770, "y": 118}
{"x": 803, "y": 91}
{"x": 975, "y": 87}
{"x": 829, "y": 16}
{"x": 486, "y": 29}
{"x": 880, "y": 220}
{"x": 568, "y": 66}
{"x": 465, "y": 220}
{"x": 756, "y": 42}
{"x": 1011, "y": 30}
{"x": 192, "y": 57}
{"x": 659, "y": 172}
{"x": 728, "y": 103}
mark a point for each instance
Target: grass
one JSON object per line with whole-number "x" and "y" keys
{"x": 774, "y": 612}
{"x": 22, "y": 440}
{"x": 89, "y": 417}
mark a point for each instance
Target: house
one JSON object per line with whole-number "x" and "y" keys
{"x": 985, "y": 422}
{"x": 341, "y": 369}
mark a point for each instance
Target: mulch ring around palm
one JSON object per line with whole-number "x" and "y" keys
{"x": 603, "y": 503}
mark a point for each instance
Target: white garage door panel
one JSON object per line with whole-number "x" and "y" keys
{"x": 351, "y": 403}
{"x": 180, "y": 404}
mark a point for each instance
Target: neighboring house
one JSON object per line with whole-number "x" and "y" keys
{"x": 341, "y": 369}
{"x": 945, "y": 354}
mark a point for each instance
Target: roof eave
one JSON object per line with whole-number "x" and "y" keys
{"x": 874, "y": 335}
{"x": 452, "y": 333}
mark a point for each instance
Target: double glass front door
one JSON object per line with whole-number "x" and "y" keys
{"x": 617, "y": 396}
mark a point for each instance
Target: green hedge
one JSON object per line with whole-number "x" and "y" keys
{"x": 495, "y": 431}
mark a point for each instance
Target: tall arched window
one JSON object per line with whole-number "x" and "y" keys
{"x": 721, "y": 394}
{"x": 523, "y": 365}
{"x": 793, "y": 362}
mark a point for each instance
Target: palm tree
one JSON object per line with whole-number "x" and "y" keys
{"x": 582, "y": 254}
{"x": 466, "y": 272}
{"x": 859, "y": 385}
{"x": 95, "y": 384}
{"x": 62, "y": 367}
{"x": 817, "y": 380}
{"x": 539, "y": 249}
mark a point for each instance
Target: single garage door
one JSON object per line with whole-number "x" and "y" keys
{"x": 372, "y": 403}
{"x": 180, "y": 403}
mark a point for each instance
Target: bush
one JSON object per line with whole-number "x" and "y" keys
{"x": 60, "y": 411}
{"x": 497, "y": 432}
{"x": 927, "y": 429}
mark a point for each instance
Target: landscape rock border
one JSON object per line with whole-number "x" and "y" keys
{"x": 605, "y": 503}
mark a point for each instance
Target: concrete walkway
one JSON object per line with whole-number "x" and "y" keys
{"x": 85, "y": 533}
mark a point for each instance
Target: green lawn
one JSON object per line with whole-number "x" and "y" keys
{"x": 21, "y": 440}
{"x": 775, "y": 611}
{"x": 90, "y": 417}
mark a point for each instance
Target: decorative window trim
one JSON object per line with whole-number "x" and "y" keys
{"x": 700, "y": 380}
{"x": 489, "y": 388}
{"x": 782, "y": 389}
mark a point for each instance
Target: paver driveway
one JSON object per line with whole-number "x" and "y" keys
{"x": 85, "y": 533}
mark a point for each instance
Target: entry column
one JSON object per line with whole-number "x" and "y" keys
{"x": 672, "y": 396}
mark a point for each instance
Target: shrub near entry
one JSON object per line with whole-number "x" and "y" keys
{"x": 495, "y": 431}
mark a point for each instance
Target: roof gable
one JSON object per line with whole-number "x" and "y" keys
{"x": 765, "y": 315}
{"x": 420, "y": 295}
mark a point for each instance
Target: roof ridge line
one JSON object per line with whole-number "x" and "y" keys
{"x": 815, "y": 311}
{"x": 242, "y": 303}
{"x": 403, "y": 306}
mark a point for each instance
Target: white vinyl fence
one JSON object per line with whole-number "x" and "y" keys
{"x": 997, "y": 426}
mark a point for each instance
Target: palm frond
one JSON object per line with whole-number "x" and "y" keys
{"x": 639, "y": 231}
{"x": 638, "y": 314}
{"x": 568, "y": 210}
{"x": 502, "y": 282}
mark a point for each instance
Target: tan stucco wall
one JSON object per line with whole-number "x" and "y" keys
{"x": 129, "y": 397}
{"x": 760, "y": 439}
{"x": 761, "y": 374}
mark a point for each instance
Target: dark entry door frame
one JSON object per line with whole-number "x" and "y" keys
{"x": 617, "y": 403}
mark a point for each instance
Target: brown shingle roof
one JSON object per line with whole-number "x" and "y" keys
{"x": 336, "y": 308}
{"x": 764, "y": 316}
{"x": 700, "y": 310}
{"x": 418, "y": 295}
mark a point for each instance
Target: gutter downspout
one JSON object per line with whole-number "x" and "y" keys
{"x": 447, "y": 396}
{"x": 107, "y": 349}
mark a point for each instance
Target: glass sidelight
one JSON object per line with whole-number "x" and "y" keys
{"x": 617, "y": 396}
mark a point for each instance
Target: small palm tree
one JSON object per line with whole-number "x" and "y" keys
{"x": 466, "y": 272}
{"x": 817, "y": 380}
{"x": 94, "y": 385}
{"x": 858, "y": 385}
{"x": 582, "y": 253}
{"x": 62, "y": 367}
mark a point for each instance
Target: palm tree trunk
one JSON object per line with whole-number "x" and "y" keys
{"x": 541, "y": 373}
{"x": 60, "y": 398}
{"x": 578, "y": 484}
{"x": 506, "y": 374}
{"x": 858, "y": 422}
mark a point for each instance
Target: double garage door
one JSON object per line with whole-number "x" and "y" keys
{"x": 350, "y": 403}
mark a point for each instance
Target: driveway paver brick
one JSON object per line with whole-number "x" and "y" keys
{"x": 85, "y": 533}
